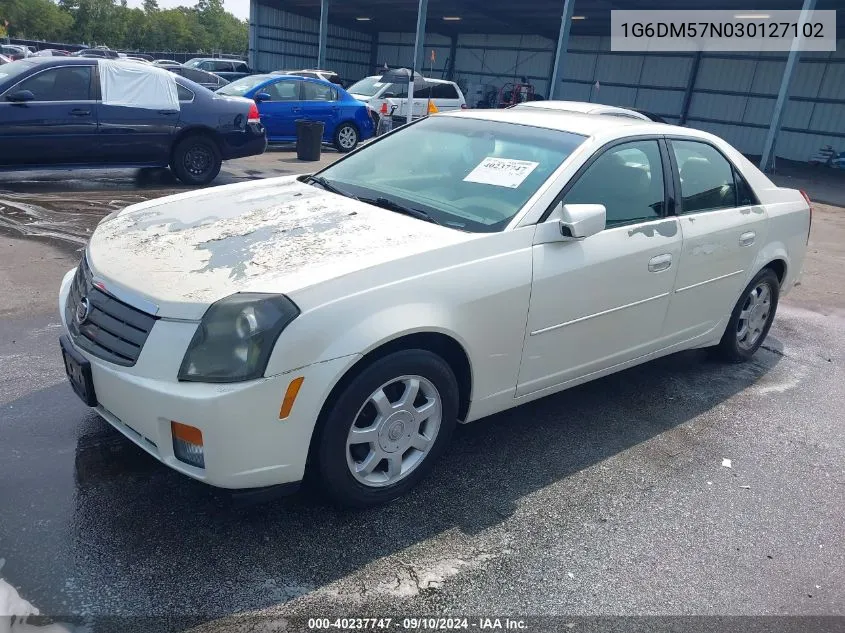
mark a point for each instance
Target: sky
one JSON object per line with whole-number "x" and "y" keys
{"x": 239, "y": 7}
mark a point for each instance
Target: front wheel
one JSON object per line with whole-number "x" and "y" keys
{"x": 751, "y": 318}
{"x": 346, "y": 138}
{"x": 387, "y": 428}
{"x": 196, "y": 160}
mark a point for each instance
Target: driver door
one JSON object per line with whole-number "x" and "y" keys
{"x": 58, "y": 126}
{"x": 602, "y": 301}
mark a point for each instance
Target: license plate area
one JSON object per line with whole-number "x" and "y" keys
{"x": 78, "y": 371}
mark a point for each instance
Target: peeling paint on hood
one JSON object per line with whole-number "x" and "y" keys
{"x": 279, "y": 235}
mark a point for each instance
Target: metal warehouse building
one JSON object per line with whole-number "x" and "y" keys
{"x": 478, "y": 42}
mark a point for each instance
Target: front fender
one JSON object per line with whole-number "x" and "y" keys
{"x": 481, "y": 303}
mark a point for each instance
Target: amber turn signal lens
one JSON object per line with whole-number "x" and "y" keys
{"x": 190, "y": 434}
{"x": 290, "y": 397}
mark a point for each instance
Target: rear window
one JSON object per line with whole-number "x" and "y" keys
{"x": 444, "y": 91}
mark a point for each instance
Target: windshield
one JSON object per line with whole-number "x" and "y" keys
{"x": 367, "y": 87}
{"x": 240, "y": 87}
{"x": 469, "y": 174}
{"x": 13, "y": 69}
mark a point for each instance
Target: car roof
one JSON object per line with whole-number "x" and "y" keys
{"x": 592, "y": 125}
{"x": 428, "y": 79}
{"x": 581, "y": 106}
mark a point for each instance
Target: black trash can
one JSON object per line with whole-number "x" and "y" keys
{"x": 309, "y": 139}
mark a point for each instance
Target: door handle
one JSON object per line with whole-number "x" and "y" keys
{"x": 747, "y": 239}
{"x": 296, "y": 110}
{"x": 167, "y": 112}
{"x": 660, "y": 263}
{"x": 80, "y": 112}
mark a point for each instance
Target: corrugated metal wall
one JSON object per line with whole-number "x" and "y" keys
{"x": 285, "y": 41}
{"x": 732, "y": 95}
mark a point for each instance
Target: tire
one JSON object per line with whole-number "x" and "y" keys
{"x": 346, "y": 138}
{"x": 196, "y": 160}
{"x": 395, "y": 438}
{"x": 746, "y": 331}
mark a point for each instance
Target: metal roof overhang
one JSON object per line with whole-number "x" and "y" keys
{"x": 534, "y": 17}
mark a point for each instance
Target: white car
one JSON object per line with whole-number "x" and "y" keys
{"x": 344, "y": 322}
{"x": 584, "y": 107}
{"x": 445, "y": 95}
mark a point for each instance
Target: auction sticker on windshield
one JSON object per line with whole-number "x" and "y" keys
{"x": 501, "y": 172}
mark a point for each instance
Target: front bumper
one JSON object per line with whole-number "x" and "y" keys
{"x": 245, "y": 443}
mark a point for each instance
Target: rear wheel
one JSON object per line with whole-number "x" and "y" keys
{"x": 751, "y": 318}
{"x": 387, "y": 428}
{"x": 346, "y": 137}
{"x": 196, "y": 160}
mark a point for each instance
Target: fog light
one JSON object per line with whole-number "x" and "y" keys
{"x": 187, "y": 444}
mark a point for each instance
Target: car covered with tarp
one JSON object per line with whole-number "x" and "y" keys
{"x": 85, "y": 112}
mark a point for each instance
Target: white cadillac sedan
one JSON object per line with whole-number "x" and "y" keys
{"x": 341, "y": 324}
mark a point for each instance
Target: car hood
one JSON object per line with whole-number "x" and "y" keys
{"x": 279, "y": 235}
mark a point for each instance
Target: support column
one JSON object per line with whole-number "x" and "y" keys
{"x": 252, "y": 55}
{"x": 693, "y": 75}
{"x": 324, "y": 27}
{"x": 373, "y": 70}
{"x": 562, "y": 43}
{"x": 419, "y": 50}
{"x": 453, "y": 52}
{"x": 783, "y": 93}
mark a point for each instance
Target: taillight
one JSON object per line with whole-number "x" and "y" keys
{"x": 253, "y": 116}
{"x": 809, "y": 204}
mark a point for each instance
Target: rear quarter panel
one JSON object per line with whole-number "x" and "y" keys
{"x": 788, "y": 225}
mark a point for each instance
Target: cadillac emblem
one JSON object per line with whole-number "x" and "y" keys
{"x": 83, "y": 309}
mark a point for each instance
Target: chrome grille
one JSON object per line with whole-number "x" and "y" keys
{"x": 107, "y": 327}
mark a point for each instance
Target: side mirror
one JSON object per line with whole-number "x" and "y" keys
{"x": 389, "y": 95}
{"x": 261, "y": 96}
{"x": 572, "y": 222}
{"x": 21, "y": 96}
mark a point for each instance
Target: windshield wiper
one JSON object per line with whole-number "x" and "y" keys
{"x": 325, "y": 184}
{"x": 391, "y": 205}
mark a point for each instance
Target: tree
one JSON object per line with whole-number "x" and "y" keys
{"x": 206, "y": 26}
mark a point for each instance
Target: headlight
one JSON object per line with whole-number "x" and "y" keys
{"x": 235, "y": 338}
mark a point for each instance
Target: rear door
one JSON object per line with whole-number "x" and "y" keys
{"x": 135, "y": 136}
{"x": 280, "y": 113}
{"x": 320, "y": 103}
{"x": 723, "y": 226}
{"x": 59, "y": 126}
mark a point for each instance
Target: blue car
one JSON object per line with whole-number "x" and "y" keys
{"x": 283, "y": 100}
{"x": 53, "y": 114}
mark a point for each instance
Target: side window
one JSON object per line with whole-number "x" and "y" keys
{"x": 70, "y": 83}
{"x": 207, "y": 65}
{"x": 318, "y": 92}
{"x": 184, "y": 93}
{"x": 423, "y": 93}
{"x": 707, "y": 178}
{"x": 744, "y": 194}
{"x": 284, "y": 91}
{"x": 627, "y": 179}
{"x": 240, "y": 67}
{"x": 443, "y": 91}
